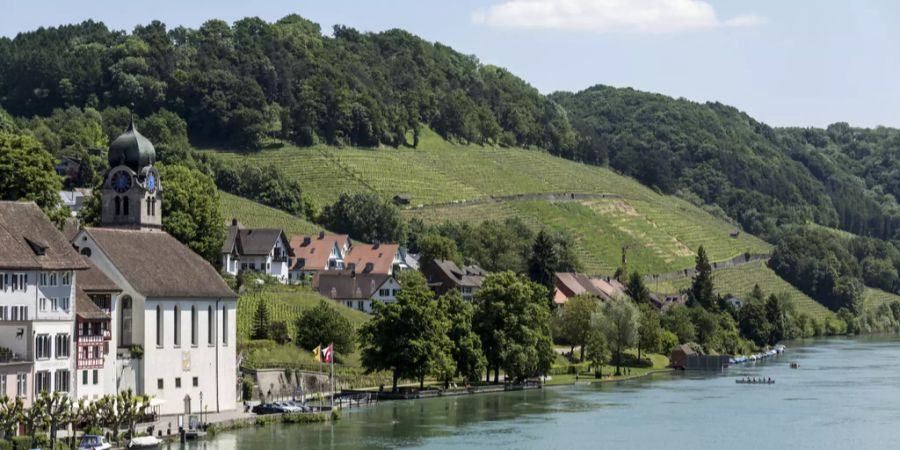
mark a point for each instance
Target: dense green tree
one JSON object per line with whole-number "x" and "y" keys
{"x": 27, "y": 172}
{"x": 701, "y": 292}
{"x": 409, "y": 337}
{"x": 434, "y": 247}
{"x": 261, "y": 325}
{"x": 323, "y": 325}
{"x": 637, "y": 290}
{"x": 618, "y": 320}
{"x": 365, "y": 217}
{"x": 575, "y": 320}
{"x": 513, "y": 321}
{"x": 754, "y": 323}
{"x": 678, "y": 321}
{"x": 597, "y": 350}
{"x": 649, "y": 329}
{"x": 11, "y": 410}
{"x": 191, "y": 210}
{"x": 466, "y": 352}
{"x": 544, "y": 260}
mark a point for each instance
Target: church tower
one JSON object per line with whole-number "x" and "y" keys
{"x": 131, "y": 190}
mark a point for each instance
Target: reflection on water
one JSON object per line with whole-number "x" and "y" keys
{"x": 846, "y": 394}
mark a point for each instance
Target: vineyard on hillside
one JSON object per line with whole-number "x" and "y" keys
{"x": 255, "y": 215}
{"x": 285, "y": 304}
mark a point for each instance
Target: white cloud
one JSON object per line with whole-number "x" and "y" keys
{"x": 602, "y": 16}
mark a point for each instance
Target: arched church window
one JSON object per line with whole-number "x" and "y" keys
{"x": 125, "y": 206}
{"x": 118, "y": 202}
{"x": 159, "y": 326}
{"x": 153, "y": 206}
{"x": 148, "y": 206}
{"x": 177, "y": 326}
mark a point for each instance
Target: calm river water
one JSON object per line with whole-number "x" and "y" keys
{"x": 845, "y": 395}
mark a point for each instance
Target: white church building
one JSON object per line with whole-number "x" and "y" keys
{"x": 173, "y": 322}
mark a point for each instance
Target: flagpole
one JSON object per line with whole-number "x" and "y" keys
{"x": 332, "y": 375}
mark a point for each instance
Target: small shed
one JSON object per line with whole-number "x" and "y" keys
{"x": 679, "y": 357}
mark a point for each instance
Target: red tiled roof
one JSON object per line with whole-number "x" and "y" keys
{"x": 314, "y": 256}
{"x": 380, "y": 255}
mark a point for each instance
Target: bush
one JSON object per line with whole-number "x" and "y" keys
{"x": 667, "y": 342}
{"x": 247, "y": 387}
{"x": 22, "y": 442}
{"x": 5, "y": 445}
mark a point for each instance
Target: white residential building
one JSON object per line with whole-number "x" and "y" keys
{"x": 357, "y": 290}
{"x": 37, "y": 290}
{"x": 263, "y": 250}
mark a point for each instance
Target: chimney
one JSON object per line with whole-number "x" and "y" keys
{"x": 369, "y": 267}
{"x": 234, "y": 221}
{"x": 322, "y": 235}
{"x": 306, "y": 240}
{"x": 375, "y": 245}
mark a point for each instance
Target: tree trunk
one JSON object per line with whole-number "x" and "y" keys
{"x": 422, "y": 382}
{"x": 496, "y": 374}
{"x": 639, "y": 351}
{"x": 394, "y": 385}
{"x": 618, "y": 361}
{"x": 572, "y": 350}
{"x": 581, "y": 359}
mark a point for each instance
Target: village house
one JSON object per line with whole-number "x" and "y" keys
{"x": 313, "y": 254}
{"x": 37, "y": 290}
{"x": 263, "y": 250}
{"x": 444, "y": 276}
{"x": 95, "y": 366}
{"x": 357, "y": 290}
{"x": 173, "y": 323}
{"x": 374, "y": 258}
{"x": 569, "y": 284}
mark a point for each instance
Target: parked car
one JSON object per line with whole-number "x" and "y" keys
{"x": 268, "y": 408}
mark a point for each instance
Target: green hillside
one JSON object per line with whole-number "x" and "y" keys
{"x": 285, "y": 304}
{"x": 255, "y": 215}
{"x": 662, "y": 232}
{"x": 739, "y": 281}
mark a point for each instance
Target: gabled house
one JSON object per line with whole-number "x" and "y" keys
{"x": 313, "y": 254}
{"x": 374, "y": 258}
{"x": 38, "y": 271}
{"x": 569, "y": 284}
{"x": 263, "y": 250}
{"x": 661, "y": 301}
{"x": 444, "y": 276}
{"x": 356, "y": 290}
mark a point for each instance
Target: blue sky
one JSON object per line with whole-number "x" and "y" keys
{"x": 803, "y": 63}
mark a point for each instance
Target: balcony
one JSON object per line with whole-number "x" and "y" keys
{"x": 89, "y": 363}
{"x": 104, "y": 335}
{"x": 9, "y": 357}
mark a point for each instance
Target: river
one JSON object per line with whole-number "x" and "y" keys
{"x": 845, "y": 395}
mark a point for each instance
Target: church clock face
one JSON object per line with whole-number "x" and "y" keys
{"x": 151, "y": 182}
{"x": 121, "y": 181}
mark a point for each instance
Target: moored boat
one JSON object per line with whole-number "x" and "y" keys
{"x": 144, "y": 442}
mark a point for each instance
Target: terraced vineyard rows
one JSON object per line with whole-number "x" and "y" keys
{"x": 876, "y": 297}
{"x": 255, "y": 215}
{"x": 285, "y": 304}
{"x": 739, "y": 281}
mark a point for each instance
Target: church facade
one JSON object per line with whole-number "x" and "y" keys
{"x": 173, "y": 323}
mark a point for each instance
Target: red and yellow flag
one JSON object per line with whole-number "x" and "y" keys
{"x": 328, "y": 353}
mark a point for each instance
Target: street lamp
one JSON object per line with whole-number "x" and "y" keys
{"x": 201, "y": 408}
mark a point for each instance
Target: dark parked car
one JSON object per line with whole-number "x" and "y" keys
{"x": 268, "y": 408}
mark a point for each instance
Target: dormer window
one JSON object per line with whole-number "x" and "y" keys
{"x": 37, "y": 248}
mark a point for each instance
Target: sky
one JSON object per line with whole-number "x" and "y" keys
{"x": 787, "y": 63}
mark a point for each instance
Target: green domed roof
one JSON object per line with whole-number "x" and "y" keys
{"x": 132, "y": 149}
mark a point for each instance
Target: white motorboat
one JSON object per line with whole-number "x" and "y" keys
{"x": 144, "y": 442}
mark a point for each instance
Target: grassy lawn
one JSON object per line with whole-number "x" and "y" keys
{"x": 660, "y": 363}
{"x": 255, "y": 215}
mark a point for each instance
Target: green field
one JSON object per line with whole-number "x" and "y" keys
{"x": 739, "y": 281}
{"x": 285, "y": 304}
{"x": 255, "y": 215}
